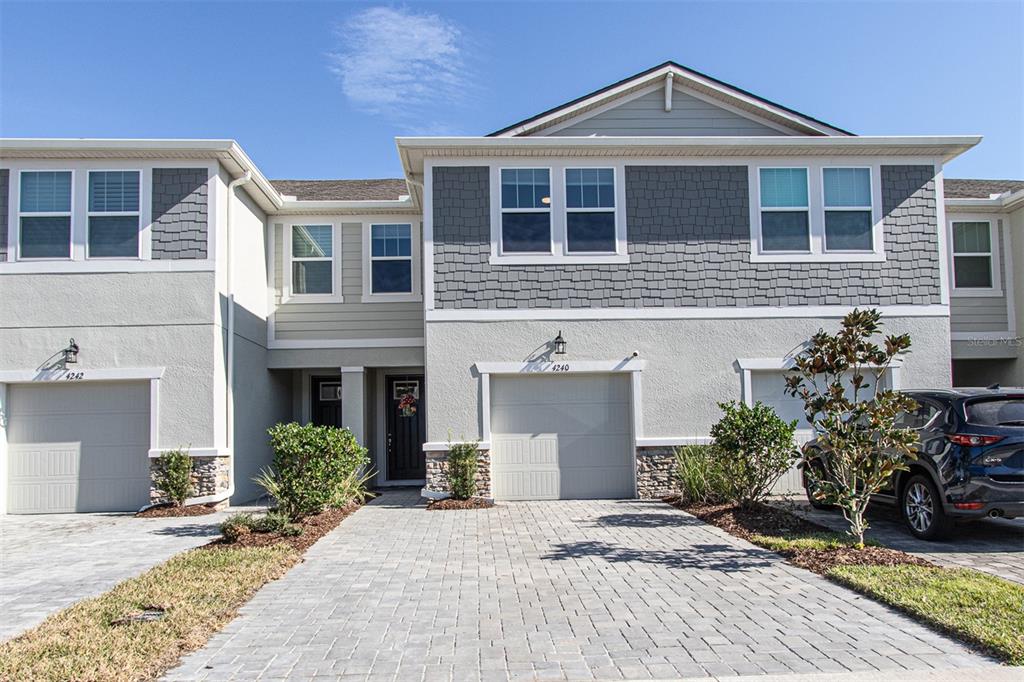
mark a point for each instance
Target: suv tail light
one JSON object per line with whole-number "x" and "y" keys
{"x": 971, "y": 440}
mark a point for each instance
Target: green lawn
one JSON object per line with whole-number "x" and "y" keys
{"x": 201, "y": 590}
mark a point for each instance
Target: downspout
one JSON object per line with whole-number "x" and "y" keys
{"x": 229, "y": 388}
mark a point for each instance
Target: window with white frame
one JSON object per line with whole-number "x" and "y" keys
{"x": 590, "y": 210}
{"x": 391, "y": 259}
{"x": 312, "y": 258}
{"x": 972, "y": 255}
{"x": 847, "y": 200}
{"x": 44, "y": 214}
{"x": 785, "y": 210}
{"x": 525, "y": 210}
{"x": 113, "y": 214}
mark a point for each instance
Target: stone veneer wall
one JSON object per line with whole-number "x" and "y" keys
{"x": 688, "y": 230}
{"x": 437, "y": 473}
{"x": 210, "y": 475}
{"x": 180, "y": 208}
{"x": 655, "y": 472}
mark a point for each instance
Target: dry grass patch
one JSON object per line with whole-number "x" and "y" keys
{"x": 200, "y": 591}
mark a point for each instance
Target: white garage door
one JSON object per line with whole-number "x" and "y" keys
{"x": 78, "y": 447}
{"x": 561, "y": 437}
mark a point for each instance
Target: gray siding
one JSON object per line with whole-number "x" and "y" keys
{"x": 5, "y": 190}
{"x": 180, "y": 211}
{"x": 646, "y": 115}
{"x": 983, "y": 313}
{"x": 351, "y": 319}
{"x": 689, "y": 246}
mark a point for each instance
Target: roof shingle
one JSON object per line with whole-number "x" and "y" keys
{"x": 979, "y": 189}
{"x": 384, "y": 189}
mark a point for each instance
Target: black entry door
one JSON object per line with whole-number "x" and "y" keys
{"x": 325, "y": 403}
{"x": 406, "y": 427}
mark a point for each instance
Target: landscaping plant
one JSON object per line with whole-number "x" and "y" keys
{"x": 701, "y": 477}
{"x": 838, "y": 377}
{"x": 173, "y": 476}
{"x": 313, "y": 466}
{"x": 755, "y": 447}
{"x": 462, "y": 459}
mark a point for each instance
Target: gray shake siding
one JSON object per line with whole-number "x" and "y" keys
{"x": 5, "y": 190}
{"x": 180, "y": 208}
{"x": 689, "y": 245}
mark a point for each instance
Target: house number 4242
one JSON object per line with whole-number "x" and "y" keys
{"x": 560, "y": 368}
{"x": 74, "y": 376}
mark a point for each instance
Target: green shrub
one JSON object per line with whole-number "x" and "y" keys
{"x": 291, "y": 530}
{"x": 173, "y": 475}
{"x": 352, "y": 488}
{"x": 235, "y": 526}
{"x": 311, "y": 465}
{"x": 700, "y": 474}
{"x": 755, "y": 447}
{"x": 462, "y": 469}
{"x": 271, "y": 522}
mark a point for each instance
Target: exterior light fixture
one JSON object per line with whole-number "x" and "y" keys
{"x": 71, "y": 353}
{"x": 559, "y": 344}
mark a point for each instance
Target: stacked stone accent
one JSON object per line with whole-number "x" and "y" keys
{"x": 180, "y": 207}
{"x": 5, "y": 186}
{"x": 689, "y": 245}
{"x": 655, "y": 473}
{"x": 210, "y": 475}
{"x": 437, "y": 473}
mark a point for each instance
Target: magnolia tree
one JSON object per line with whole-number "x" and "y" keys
{"x": 859, "y": 446}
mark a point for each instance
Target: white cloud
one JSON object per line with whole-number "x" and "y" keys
{"x": 402, "y": 65}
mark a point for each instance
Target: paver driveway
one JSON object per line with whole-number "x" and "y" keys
{"x": 576, "y": 590}
{"x": 48, "y": 562}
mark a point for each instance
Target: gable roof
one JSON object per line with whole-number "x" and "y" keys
{"x": 707, "y": 85}
{"x": 383, "y": 189}
{"x": 979, "y": 189}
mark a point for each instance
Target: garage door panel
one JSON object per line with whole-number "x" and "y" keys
{"x": 597, "y": 482}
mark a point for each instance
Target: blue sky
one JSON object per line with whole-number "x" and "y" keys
{"x": 319, "y": 90}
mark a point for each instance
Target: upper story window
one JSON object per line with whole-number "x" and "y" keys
{"x": 312, "y": 257}
{"x": 974, "y": 262}
{"x": 525, "y": 210}
{"x": 44, "y": 214}
{"x": 391, "y": 259}
{"x": 113, "y": 214}
{"x": 590, "y": 210}
{"x": 816, "y": 213}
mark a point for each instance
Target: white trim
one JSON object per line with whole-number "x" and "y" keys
{"x": 38, "y": 266}
{"x": 780, "y": 364}
{"x": 4, "y": 419}
{"x": 154, "y": 413}
{"x": 428, "y": 236}
{"x": 498, "y": 211}
{"x": 352, "y": 370}
{"x": 692, "y": 313}
{"x": 137, "y": 214}
{"x": 287, "y": 295}
{"x": 192, "y": 452}
{"x": 942, "y": 232}
{"x": 411, "y": 342}
{"x": 562, "y": 366}
{"x": 77, "y": 374}
{"x": 995, "y": 235}
{"x": 485, "y": 402}
{"x": 69, "y": 214}
{"x": 672, "y": 441}
{"x": 368, "y": 295}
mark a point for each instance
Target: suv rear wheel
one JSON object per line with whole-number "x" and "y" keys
{"x": 922, "y": 510}
{"x": 809, "y": 487}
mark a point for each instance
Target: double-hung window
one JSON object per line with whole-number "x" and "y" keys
{"x": 785, "y": 211}
{"x": 391, "y": 259}
{"x": 847, "y": 196}
{"x": 972, "y": 255}
{"x": 44, "y": 214}
{"x": 113, "y": 214}
{"x": 312, "y": 258}
{"x": 590, "y": 210}
{"x": 526, "y": 210}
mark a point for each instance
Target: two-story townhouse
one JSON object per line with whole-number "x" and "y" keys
{"x": 985, "y": 220}
{"x": 576, "y": 291}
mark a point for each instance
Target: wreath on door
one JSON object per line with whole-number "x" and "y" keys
{"x": 407, "y": 405}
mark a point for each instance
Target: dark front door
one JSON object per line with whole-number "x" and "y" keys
{"x": 406, "y": 427}
{"x": 325, "y": 403}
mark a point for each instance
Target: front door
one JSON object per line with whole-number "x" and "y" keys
{"x": 325, "y": 403}
{"x": 406, "y": 427}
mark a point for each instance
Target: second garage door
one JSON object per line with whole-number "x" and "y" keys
{"x": 561, "y": 437}
{"x": 78, "y": 447}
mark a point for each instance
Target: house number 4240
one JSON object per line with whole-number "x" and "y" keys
{"x": 560, "y": 368}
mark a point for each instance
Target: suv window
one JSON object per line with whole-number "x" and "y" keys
{"x": 996, "y": 411}
{"x": 919, "y": 418}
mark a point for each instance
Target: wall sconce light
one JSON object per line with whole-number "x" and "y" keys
{"x": 559, "y": 344}
{"x": 71, "y": 353}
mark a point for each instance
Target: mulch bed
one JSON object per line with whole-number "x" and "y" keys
{"x": 167, "y": 510}
{"x": 313, "y": 528}
{"x": 452, "y": 503}
{"x": 762, "y": 519}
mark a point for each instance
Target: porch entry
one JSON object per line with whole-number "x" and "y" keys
{"x": 405, "y": 423}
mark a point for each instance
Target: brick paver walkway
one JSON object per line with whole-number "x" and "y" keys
{"x": 554, "y": 590}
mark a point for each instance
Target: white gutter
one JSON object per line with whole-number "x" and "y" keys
{"x": 1004, "y": 201}
{"x": 229, "y": 389}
